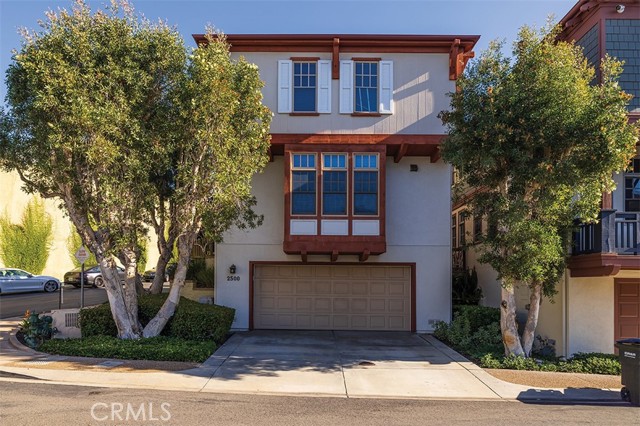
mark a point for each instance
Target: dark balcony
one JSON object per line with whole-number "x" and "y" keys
{"x": 605, "y": 247}
{"x": 616, "y": 232}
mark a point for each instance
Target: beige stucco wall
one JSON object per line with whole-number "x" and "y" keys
{"x": 416, "y": 232}
{"x": 14, "y": 200}
{"x": 420, "y": 82}
{"x": 590, "y": 315}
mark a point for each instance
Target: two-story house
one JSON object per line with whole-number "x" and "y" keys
{"x": 598, "y": 301}
{"x": 356, "y": 224}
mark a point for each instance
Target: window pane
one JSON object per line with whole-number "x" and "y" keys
{"x": 334, "y": 196}
{"x": 304, "y": 87}
{"x": 304, "y": 100}
{"x": 365, "y": 204}
{"x": 303, "y": 192}
{"x": 365, "y": 193}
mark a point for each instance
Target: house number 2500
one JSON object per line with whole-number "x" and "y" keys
{"x": 233, "y": 278}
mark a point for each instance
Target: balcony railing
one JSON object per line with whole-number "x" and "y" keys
{"x": 616, "y": 232}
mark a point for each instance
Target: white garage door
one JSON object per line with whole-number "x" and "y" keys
{"x": 332, "y": 297}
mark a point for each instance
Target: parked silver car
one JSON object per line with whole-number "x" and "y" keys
{"x": 92, "y": 277}
{"x": 18, "y": 281}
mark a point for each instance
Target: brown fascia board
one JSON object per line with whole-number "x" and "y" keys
{"x": 347, "y": 42}
{"x": 584, "y": 9}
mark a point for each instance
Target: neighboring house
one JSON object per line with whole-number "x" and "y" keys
{"x": 356, "y": 224}
{"x": 598, "y": 300}
{"x": 13, "y": 202}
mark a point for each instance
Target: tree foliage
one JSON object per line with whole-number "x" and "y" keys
{"x": 539, "y": 139}
{"x": 111, "y": 115}
{"x": 26, "y": 245}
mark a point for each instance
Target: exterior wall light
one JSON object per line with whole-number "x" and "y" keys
{"x": 232, "y": 269}
{"x": 620, "y": 8}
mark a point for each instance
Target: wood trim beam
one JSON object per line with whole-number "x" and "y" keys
{"x": 355, "y": 139}
{"x": 401, "y": 153}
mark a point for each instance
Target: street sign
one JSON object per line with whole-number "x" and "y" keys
{"x": 82, "y": 254}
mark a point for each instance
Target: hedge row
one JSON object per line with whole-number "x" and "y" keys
{"x": 191, "y": 321}
{"x": 159, "y": 348}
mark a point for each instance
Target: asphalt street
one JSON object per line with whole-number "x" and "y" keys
{"x": 13, "y": 305}
{"x": 35, "y": 404}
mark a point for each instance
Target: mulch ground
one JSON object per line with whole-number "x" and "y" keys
{"x": 544, "y": 379}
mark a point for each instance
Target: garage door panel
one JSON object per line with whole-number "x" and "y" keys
{"x": 322, "y": 304}
{"x": 359, "y": 288}
{"x": 304, "y": 287}
{"x": 357, "y": 297}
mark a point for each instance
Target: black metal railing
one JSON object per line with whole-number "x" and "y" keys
{"x": 615, "y": 232}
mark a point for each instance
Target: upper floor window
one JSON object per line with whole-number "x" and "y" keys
{"x": 477, "y": 228}
{"x": 365, "y": 184}
{"x": 366, "y": 86}
{"x": 303, "y": 184}
{"x": 334, "y": 184}
{"x": 304, "y": 86}
{"x": 454, "y": 227}
{"x": 632, "y": 186}
{"x": 462, "y": 237}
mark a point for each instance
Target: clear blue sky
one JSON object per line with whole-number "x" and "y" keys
{"x": 489, "y": 19}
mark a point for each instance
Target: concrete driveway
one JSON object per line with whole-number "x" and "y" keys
{"x": 345, "y": 363}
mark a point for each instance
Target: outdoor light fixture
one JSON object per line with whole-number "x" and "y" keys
{"x": 413, "y": 167}
{"x": 620, "y": 8}
{"x": 232, "y": 269}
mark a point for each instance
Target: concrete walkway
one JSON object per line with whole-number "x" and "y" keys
{"x": 323, "y": 363}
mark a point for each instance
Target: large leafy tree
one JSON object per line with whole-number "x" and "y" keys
{"x": 539, "y": 140}
{"x": 102, "y": 107}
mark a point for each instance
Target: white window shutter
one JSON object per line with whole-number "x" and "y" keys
{"x": 346, "y": 87}
{"x": 285, "y": 86}
{"x": 386, "y": 87}
{"x": 324, "y": 87}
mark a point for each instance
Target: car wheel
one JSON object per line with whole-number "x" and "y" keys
{"x": 98, "y": 282}
{"x": 50, "y": 286}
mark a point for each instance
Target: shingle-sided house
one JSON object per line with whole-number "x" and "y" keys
{"x": 598, "y": 300}
{"x": 356, "y": 232}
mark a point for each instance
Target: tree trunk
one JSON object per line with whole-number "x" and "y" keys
{"x": 529, "y": 333}
{"x": 161, "y": 269}
{"x": 155, "y": 326}
{"x": 508, "y": 324}
{"x": 127, "y": 323}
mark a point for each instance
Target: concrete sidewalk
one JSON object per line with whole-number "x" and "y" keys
{"x": 337, "y": 364}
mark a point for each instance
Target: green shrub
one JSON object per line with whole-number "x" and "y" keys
{"x": 465, "y": 290}
{"x": 475, "y": 330}
{"x": 191, "y": 321}
{"x": 478, "y": 316}
{"x": 27, "y": 245}
{"x": 159, "y": 348}
{"x": 97, "y": 321}
{"x": 36, "y": 329}
{"x": 589, "y": 363}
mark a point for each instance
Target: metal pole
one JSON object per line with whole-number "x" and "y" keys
{"x": 82, "y": 286}
{"x": 60, "y": 296}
